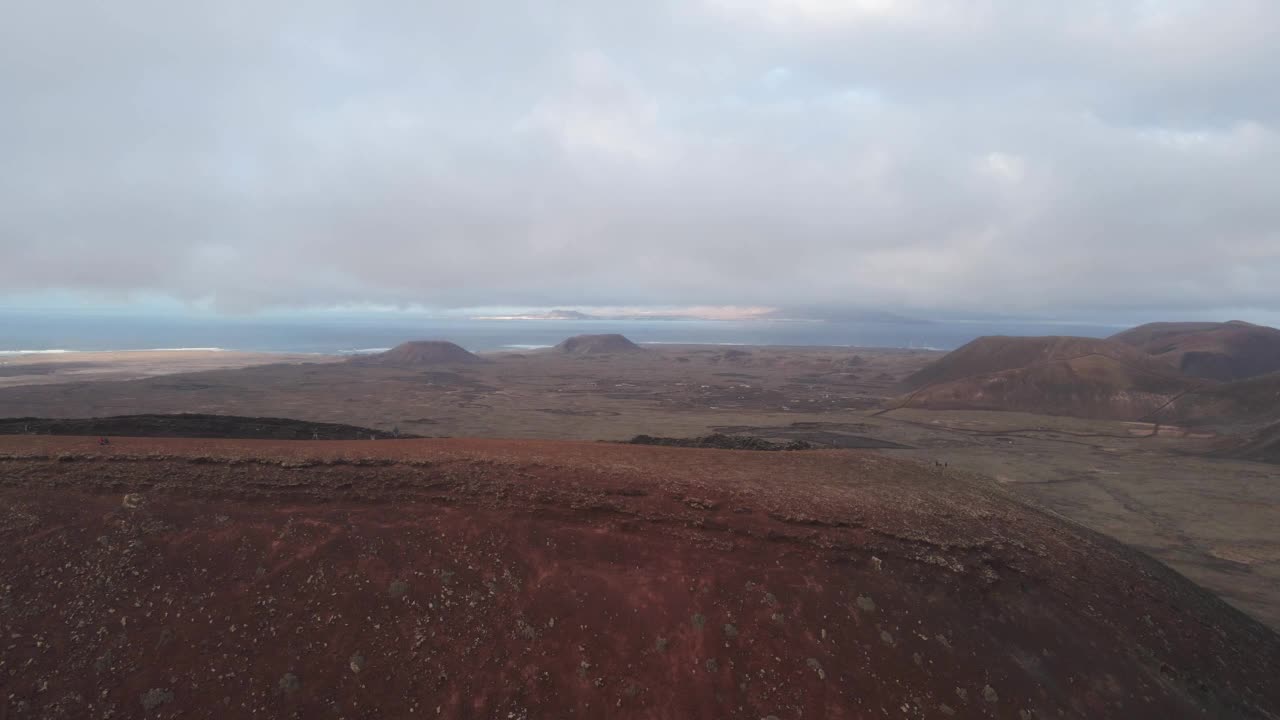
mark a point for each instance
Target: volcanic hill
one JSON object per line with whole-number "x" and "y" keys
{"x": 1227, "y": 351}
{"x": 1243, "y": 403}
{"x": 1055, "y": 375}
{"x": 529, "y": 579}
{"x": 418, "y": 353}
{"x": 598, "y": 345}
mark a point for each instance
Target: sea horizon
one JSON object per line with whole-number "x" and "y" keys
{"x": 28, "y": 333}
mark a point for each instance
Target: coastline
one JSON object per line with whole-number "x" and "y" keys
{"x": 48, "y": 367}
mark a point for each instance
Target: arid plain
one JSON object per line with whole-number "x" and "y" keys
{"x": 1164, "y": 489}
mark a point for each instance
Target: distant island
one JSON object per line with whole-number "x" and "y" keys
{"x": 799, "y": 314}
{"x": 549, "y": 315}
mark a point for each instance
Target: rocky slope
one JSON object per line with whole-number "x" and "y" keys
{"x": 450, "y": 578}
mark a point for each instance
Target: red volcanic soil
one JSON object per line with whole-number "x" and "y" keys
{"x": 1082, "y": 377}
{"x": 1219, "y": 351}
{"x": 597, "y": 345}
{"x": 452, "y": 578}
{"x": 996, "y": 353}
{"x": 422, "y": 352}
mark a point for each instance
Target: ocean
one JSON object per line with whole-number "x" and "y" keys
{"x": 27, "y": 331}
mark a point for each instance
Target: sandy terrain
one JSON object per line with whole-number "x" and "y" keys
{"x": 49, "y": 368}
{"x": 528, "y": 579}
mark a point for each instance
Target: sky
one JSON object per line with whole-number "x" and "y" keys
{"x": 988, "y": 156}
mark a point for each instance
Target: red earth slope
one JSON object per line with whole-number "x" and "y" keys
{"x": 1226, "y": 351}
{"x": 452, "y": 578}
{"x": 1081, "y": 377}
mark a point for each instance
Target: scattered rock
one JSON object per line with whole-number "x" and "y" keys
{"x": 357, "y": 663}
{"x": 730, "y": 631}
{"x": 700, "y": 504}
{"x": 132, "y": 501}
{"x": 989, "y": 694}
{"x": 155, "y": 697}
{"x": 289, "y": 683}
{"x": 398, "y": 589}
{"x": 816, "y": 667}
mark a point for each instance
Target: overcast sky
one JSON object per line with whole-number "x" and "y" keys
{"x": 985, "y": 155}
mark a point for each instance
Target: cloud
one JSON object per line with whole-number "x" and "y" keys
{"x": 826, "y": 15}
{"x": 993, "y": 156}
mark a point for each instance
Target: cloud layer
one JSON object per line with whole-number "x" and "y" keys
{"x": 994, "y": 155}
